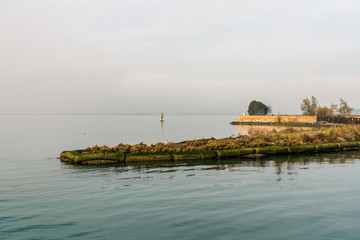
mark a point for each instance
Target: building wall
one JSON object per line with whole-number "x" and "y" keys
{"x": 300, "y": 119}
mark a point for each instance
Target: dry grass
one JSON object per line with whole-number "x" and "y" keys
{"x": 256, "y": 138}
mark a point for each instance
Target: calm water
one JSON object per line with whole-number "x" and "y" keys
{"x": 303, "y": 197}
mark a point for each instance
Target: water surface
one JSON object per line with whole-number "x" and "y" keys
{"x": 283, "y": 197}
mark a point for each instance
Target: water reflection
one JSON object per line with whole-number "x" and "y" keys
{"x": 283, "y": 164}
{"x": 162, "y": 127}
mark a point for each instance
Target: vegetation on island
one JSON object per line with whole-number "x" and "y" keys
{"x": 311, "y": 107}
{"x": 324, "y": 112}
{"x": 255, "y": 138}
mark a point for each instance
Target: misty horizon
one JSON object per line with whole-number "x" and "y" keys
{"x": 199, "y": 57}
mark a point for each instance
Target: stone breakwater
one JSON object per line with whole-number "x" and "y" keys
{"x": 85, "y": 158}
{"x": 301, "y": 121}
{"x": 275, "y": 119}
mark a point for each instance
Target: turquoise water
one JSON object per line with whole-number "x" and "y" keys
{"x": 283, "y": 197}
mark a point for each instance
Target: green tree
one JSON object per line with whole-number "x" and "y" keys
{"x": 344, "y": 109}
{"x": 308, "y": 107}
{"x": 257, "y": 108}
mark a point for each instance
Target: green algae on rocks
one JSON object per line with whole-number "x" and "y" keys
{"x": 83, "y": 157}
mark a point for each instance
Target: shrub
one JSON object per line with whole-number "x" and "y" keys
{"x": 324, "y": 112}
{"x": 256, "y": 138}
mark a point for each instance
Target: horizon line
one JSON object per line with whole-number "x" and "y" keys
{"x": 155, "y": 113}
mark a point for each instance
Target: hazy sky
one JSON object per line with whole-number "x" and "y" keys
{"x": 144, "y": 56}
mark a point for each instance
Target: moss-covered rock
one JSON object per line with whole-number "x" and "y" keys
{"x": 102, "y": 156}
{"x": 272, "y": 150}
{"x": 70, "y": 156}
{"x": 348, "y": 145}
{"x": 301, "y": 149}
{"x": 194, "y": 155}
{"x": 208, "y": 154}
{"x": 134, "y": 157}
{"x": 92, "y": 162}
{"x": 80, "y": 156}
{"x": 327, "y": 147}
{"x": 234, "y": 152}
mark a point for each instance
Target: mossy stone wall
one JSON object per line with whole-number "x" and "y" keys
{"x": 80, "y": 157}
{"x": 131, "y": 157}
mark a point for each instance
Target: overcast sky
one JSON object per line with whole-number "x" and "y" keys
{"x": 198, "y": 56}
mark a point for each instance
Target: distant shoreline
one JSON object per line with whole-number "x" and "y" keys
{"x": 283, "y": 124}
{"x": 124, "y": 114}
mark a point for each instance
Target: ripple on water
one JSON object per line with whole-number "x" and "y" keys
{"x": 184, "y": 201}
{"x": 33, "y": 227}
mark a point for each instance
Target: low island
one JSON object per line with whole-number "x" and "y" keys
{"x": 256, "y": 144}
